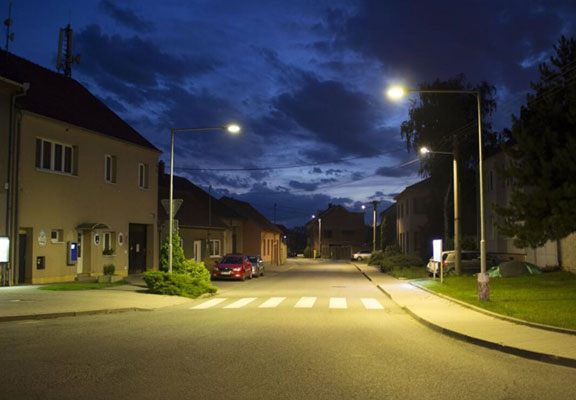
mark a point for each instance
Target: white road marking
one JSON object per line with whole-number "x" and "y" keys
{"x": 305, "y": 302}
{"x": 241, "y": 303}
{"x": 338, "y": 302}
{"x": 272, "y": 302}
{"x": 208, "y": 304}
{"x": 372, "y": 304}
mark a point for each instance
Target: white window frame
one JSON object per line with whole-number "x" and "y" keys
{"x": 54, "y": 164}
{"x": 110, "y": 168}
{"x": 143, "y": 176}
{"x": 215, "y": 244}
{"x": 57, "y": 236}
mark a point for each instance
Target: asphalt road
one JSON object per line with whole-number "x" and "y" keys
{"x": 307, "y": 333}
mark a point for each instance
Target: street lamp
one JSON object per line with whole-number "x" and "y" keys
{"x": 483, "y": 281}
{"x": 231, "y": 128}
{"x": 319, "y": 235}
{"x": 457, "y": 233}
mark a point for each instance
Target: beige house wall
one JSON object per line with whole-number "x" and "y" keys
{"x": 51, "y": 200}
{"x": 191, "y": 235}
{"x": 270, "y": 249}
{"x": 498, "y": 192}
{"x": 5, "y": 105}
{"x": 568, "y": 248}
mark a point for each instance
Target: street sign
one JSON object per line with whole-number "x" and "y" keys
{"x": 176, "y": 203}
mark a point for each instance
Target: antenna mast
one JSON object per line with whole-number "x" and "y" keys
{"x": 65, "y": 59}
{"x": 8, "y": 23}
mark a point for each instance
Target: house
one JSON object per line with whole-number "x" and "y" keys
{"x": 337, "y": 233}
{"x": 260, "y": 236}
{"x": 388, "y": 218}
{"x": 9, "y": 92}
{"x": 77, "y": 174}
{"x": 414, "y": 226}
{"x": 208, "y": 228}
{"x": 497, "y": 190}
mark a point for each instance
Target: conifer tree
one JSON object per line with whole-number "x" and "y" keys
{"x": 542, "y": 173}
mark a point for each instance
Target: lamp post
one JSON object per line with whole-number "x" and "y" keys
{"x": 483, "y": 281}
{"x": 457, "y": 232}
{"x": 234, "y": 129}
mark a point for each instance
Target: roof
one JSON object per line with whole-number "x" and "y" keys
{"x": 247, "y": 211}
{"x": 193, "y": 212}
{"x": 422, "y": 185}
{"x": 331, "y": 208}
{"x": 62, "y": 98}
{"x": 183, "y": 185}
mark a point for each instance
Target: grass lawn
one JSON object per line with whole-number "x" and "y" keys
{"x": 80, "y": 285}
{"x": 409, "y": 272}
{"x": 549, "y": 298}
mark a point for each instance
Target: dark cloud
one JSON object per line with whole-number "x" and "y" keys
{"x": 436, "y": 40}
{"x": 307, "y": 186}
{"x": 127, "y": 17}
{"x": 134, "y": 61}
{"x": 334, "y": 114}
{"x": 397, "y": 172}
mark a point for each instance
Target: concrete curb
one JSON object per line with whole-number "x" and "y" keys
{"x": 543, "y": 357}
{"x": 10, "y": 318}
{"x": 496, "y": 315}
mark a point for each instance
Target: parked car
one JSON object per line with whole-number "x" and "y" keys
{"x": 233, "y": 266}
{"x": 257, "y": 265}
{"x": 361, "y": 255}
{"x": 470, "y": 262}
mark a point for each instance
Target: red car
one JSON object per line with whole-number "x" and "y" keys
{"x": 233, "y": 266}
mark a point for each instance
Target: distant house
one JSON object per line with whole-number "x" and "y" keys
{"x": 388, "y": 218}
{"x": 77, "y": 170}
{"x": 337, "y": 233}
{"x": 413, "y": 224}
{"x": 260, "y": 236}
{"x": 208, "y": 228}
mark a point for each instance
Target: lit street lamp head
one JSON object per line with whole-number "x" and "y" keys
{"x": 424, "y": 150}
{"x": 233, "y": 128}
{"x": 396, "y": 92}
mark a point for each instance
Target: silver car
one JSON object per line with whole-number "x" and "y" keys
{"x": 470, "y": 261}
{"x": 257, "y": 265}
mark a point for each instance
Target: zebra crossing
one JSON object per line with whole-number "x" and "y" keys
{"x": 336, "y": 303}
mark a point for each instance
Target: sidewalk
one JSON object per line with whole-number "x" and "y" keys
{"x": 27, "y": 302}
{"x": 462, "y": 322}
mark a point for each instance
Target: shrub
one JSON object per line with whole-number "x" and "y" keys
{"x": 392, "y": 250}
{"x": 400, "y": 261}
{"x": 178, "y": 258}
{"x": 196, "y": 270}
{"x": 376, "y": 258}
{"x": 109, "y": 269}
{"x": 177, "y": 284}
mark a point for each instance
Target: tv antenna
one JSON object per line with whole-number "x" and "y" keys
{"x": 65, "y": 58}
{"x": 8, "y": 24}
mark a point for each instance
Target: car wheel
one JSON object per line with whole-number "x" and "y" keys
{"x": 262, "y": 272}
{"x": 359, "y": 258}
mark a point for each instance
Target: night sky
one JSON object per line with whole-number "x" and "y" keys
{"x": 304, "y": 78}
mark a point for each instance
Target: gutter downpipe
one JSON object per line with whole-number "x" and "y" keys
{"x": 12, "y": 225}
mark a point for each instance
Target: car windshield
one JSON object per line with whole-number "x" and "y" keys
{"x": 232, "y": 260}
{"x": 253, "y": 259}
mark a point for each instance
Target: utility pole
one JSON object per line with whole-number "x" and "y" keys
{"x": 8, "y": 23}
{"x": 375, "y": 205}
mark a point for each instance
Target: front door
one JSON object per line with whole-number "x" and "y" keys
{"x": 79, "y": 239}
{"x": 197, "y": 250}
{"x": 137, "y": 244}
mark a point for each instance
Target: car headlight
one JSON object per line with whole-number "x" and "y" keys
{"x": 237, "y": 269}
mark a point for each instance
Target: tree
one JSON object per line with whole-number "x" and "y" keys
{"x": 448, "y": 123}
{"x": 542, "y": 173}
{"x": 178, "y": 258}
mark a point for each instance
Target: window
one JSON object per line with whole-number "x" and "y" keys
{"x": 57, "y": 236}
{"x": 215, "y": 248}
{"x": 110, "y": 168}
{"x": 57, "y": 157}
{"x": 143, "y": 176}
{"x": 108, "y": 244}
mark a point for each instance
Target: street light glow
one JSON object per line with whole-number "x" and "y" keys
{"x": 424, "y": 150}
{"x": 233, "y": 128}
{"x": 396, "y": 92}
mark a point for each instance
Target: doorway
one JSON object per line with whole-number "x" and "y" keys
{"x": 22, "y": 240}
{"x": 137, "y": 240}
{"x": 80, "y": 241}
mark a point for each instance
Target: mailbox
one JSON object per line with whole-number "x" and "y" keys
{"x": 72, "y": 253}
{"x": 41, "y": 262}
